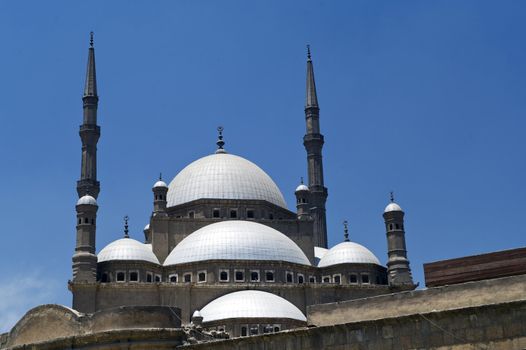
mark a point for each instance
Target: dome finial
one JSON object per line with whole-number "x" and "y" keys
{"x": 301, "y": 180}
{"x": 126, "y": 235}
{"x": 345, "y": 231}
{"x": 220, "y": 143}
{"x": 160, "y": 176}
{"x": 308, "y": 52}
{"x": 91, "y": 39}
{"x": 391, "y": 196}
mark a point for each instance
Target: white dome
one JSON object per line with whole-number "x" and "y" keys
{"x": 87, "y": 199}
{"x": 147, "y": 227}
{"x": 223, "y": 176}
{"x": 302, "y": 187}
{"x": 250, "y": 304}
{"x": 319, "y": 253}
{"x": 348, "y": 253}
{"x": 127, "y": 249}
{"x": 392, "y": 207}
{"x": 236, "y": 240}
{"x": 160, "y": 183}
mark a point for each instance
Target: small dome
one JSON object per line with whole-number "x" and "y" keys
{"x": 160, "y": 183}
{"x": 392, "y": 207}
{"x": 302, "y": 187}
{"x": 319, "y": 253}
{"x": 87, "y": 200}
{"x": 127, "y": 249}
{"x": 348, "y": 253}
{"x": 147, "y": 227}
{"x": 196, "y": 314}
{"x": 250, "y": 304}
{"x": 236, "y": 240}
{"x": 223, "y": 176}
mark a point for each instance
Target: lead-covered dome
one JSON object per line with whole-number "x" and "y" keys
{"x": 223, "y": 176}
{"x": 348, "y": 253}
{"x": 250, "y": 304}
{"x": 236, "y": 240}
{"x": 127, "y": 249}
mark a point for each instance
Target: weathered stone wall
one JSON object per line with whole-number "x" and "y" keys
{"x": 457, "y": 296}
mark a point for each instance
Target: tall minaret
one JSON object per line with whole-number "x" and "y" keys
{"x": 313, "y": 142}
{"x": 89, "y": 131}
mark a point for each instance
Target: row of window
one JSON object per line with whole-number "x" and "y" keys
{"x": 87, "y": 221}
{"x": 160, "y": 197}
{"x": 239, "y": 276}
{"x": 255, "y": 329}
{"x": 232, "y": 214}
{"x": 395, "y": 226}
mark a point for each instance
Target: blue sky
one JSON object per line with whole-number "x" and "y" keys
{"x": 425, "y": 98}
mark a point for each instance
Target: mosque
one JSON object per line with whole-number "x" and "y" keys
{"x": 223, "y": 256}
{"x": 222, "y": 245}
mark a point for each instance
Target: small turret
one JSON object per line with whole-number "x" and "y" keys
{"x": 160, "y": 190}
{"x": 84, "y": 259}
{"x": 398, "y": 270}
{"x": 302, "y": 201}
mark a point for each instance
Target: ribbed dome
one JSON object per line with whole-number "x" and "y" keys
{"x": 348, "y": 253}
{"x": 87, "y": 200}
{"x": 392, "y": 207}
{"x": 127, "y": 249}
{"x": 236, "y": 240}
{"x": 223, "y": 176}
{"x": 250, "y": 304}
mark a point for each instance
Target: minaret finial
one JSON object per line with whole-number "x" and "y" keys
{"x": 220, "y": 143}
{"x": 345, "y": 231}
{"x": 308, "y": 52}
{"x": 160, "y": 176}
{"x": 91, "y": 39}
{"x": 126, "y": 235}
{"x": 391, "y": 196}
{"x": 301, "y": 180}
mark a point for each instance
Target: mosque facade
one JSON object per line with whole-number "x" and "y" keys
{"x": 222, "y": 245}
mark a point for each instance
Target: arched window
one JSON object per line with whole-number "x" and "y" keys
{"x": 397, "y": 226}
{"x": 289, "y": 277}
{"x": 201, "y": 276}
{"x": 390, "y": 226}
{"x": 134, "y": 276}
{"x": 223, "y": 276}
{"x": 301, "y": 279}
{"x": 269, "y": 276}
{"x": 121, "y": 277}
{"x": 86, "y": 220}
{"x": 240, "y": 276}
{"x": 173, "y": 278}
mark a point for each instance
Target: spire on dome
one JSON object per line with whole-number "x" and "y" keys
{"x": 126, "y": 231}
{"x": 90, "y": 89}
{"x": 391, "y": 196}
{"x": 311, "y": 100}
{"x": 345, "y": 231}
{"x": 220, "y": 143}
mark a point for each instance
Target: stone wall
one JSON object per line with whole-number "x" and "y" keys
{"x": 499, "y": 290}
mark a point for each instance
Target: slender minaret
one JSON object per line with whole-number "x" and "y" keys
{"x": 89, "y": 131}
{"x": 398, "y": 270}
{"x": 313, "y": 142}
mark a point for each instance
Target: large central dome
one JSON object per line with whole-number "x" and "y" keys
{"x": 223, "y": 176}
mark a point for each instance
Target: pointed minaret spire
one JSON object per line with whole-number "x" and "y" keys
{"x": 345, "y": 231}
{"x": 126, "y": 231}
{"x": 220, "y": 143}
{"x": 89, "y": 131}
{"x": 311, "y": 96}
{"x": 313, "y": 142}
{"x": 90, "y": 89}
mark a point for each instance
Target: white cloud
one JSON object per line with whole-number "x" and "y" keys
{"x": 19, "y": 295}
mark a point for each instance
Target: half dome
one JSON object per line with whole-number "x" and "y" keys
{"x": 250, "y": 304}
{"x": 348, "y": 253}
{"x": 236, "y": 240}
{"x": 127, "y": 249}
{"x": 223, "y": 176}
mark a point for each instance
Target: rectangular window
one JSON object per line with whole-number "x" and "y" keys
{"x": 158, "y": 278}
{"x": 173, "y": 278}
{"x": 121, "y": 276}
{"x": 250, "y": 213}
{"x": 201, "y": 276}
{"x": 134, "y": 276}
{"x": 353, "y": 278}
{"x": 269, "y": 276}
{"x": 244, "y": 331}
{"x": 149, "y": 277}
{"x": 254, "y": 276}
{"x": 191, "y": 214}
{"x": 289, "y": 277}
{"x": 326, "y": 279}
{"x": 216, "y": 213}
{"x": 301, "y": 278}
{"x": 337, "y": 279}
{"x": 233, "y": 213}
{"x": 240, "y": 276}
{"x": 365, "y": 278}
{"x": 224, "y": 276}
{"x": 312, "y": 279}
{"x": 187, "y": 277}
